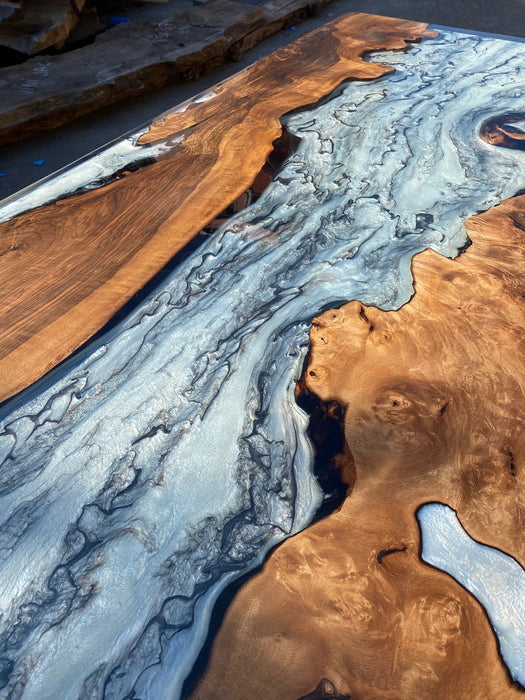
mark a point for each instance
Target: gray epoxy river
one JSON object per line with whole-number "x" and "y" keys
{"x": 170, "y": 455}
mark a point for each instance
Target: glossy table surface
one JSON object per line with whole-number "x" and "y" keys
{"x": 290, "y": 306}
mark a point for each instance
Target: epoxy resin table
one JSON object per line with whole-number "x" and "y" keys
{"x": 262, "y": 371}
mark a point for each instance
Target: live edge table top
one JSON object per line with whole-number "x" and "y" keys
{"x": 262, "y": 373}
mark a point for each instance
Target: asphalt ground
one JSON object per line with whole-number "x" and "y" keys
{"x": 62, "y": 146}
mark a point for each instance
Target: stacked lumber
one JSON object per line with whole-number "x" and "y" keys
{"x": 135, "y": 57}
{"x": 36, "y": 26}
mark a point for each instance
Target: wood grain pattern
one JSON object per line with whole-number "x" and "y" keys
{"x": 501, "y": 131}
{"x": 37, "y": 26}
{"x": 134, "y": 58}
{"x": 433, "y": 397}
{"x": 69, "y": 266}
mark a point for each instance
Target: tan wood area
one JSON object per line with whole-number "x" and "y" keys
{"x": 67, "y": 267}
{"x": 134, "y": 58}
{"x": 434, "y": 403}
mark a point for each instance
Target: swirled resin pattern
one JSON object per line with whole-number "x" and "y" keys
{"x": 143, "y": 475}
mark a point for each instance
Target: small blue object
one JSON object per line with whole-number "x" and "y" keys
{"x": 3, "y": 174}
{"x": 292, "y": 29}
{"x": 39, "y": 162}
{"x": 118, "y": 20}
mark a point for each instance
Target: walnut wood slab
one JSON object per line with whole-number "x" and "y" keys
{"x": 67, "y": 267}
{"x": 434, "y": 398}
{"x": 134, "y": 58}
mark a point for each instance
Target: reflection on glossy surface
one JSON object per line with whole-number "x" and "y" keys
{"x": 497, "y": 580}
{"x": 140, "y": 478}
{"x": 433, "y": 411}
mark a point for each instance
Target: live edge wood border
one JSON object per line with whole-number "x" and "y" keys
{"x": 134, "y": 58}
{"x": 67, "y": 267}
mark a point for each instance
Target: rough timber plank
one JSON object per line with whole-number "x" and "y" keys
{"x": 133, "y": 58}
{"x": 8, "y": 8}
{"x": 40, "y": 24}
{"x": 67, "y": 267}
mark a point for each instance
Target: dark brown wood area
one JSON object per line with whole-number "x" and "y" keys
{"x": 67, "y": 267}
{"x": 134, "y": 58}
{"x": 434, "y": 402}
{"x": 38, "y": 24}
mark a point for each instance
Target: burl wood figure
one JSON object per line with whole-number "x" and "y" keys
{"x": 433, "y": 398}
{"x": 172, "y": 453}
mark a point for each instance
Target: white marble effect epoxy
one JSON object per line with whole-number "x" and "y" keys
{"x": 494, "y": 578}
{"x": 140, "y": 477}
{"x": 90, "y": 173}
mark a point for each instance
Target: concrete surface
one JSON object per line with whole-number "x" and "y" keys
{"x": 62, "y": 146}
